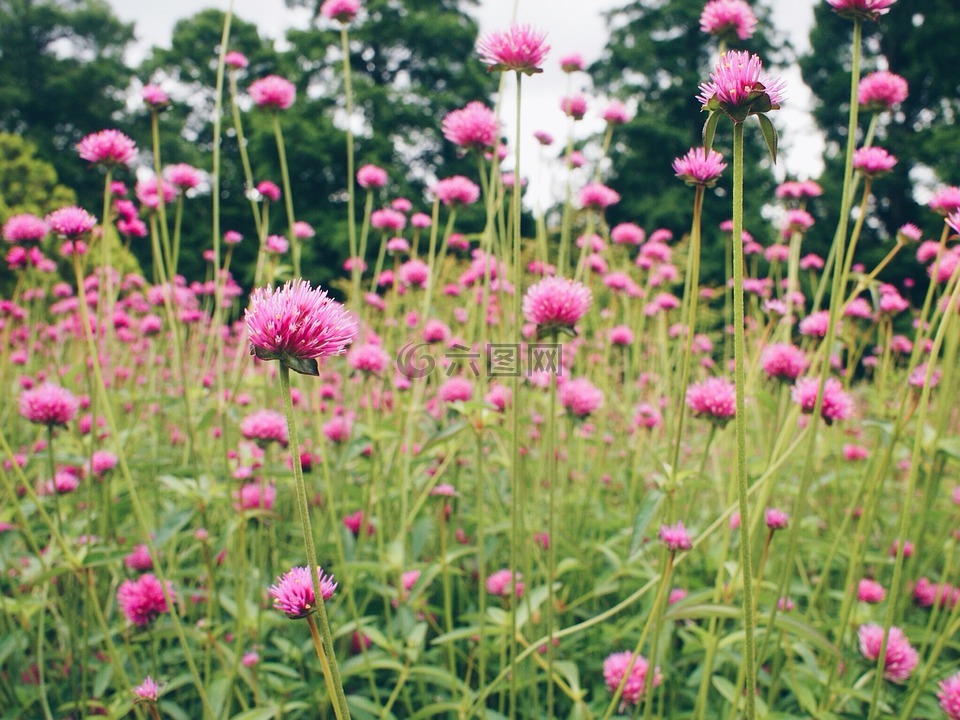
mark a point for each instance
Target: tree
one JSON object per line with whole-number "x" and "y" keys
{"x": 28, "y": 184}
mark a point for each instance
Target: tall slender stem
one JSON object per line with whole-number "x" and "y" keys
{"x": 287, "y": 195}
{"x": 351, "y": 200}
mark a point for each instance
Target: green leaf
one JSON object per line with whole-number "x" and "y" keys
{"x": 710, "y": 129}
{"x": 651, "y": 503}
{"x": 264, "y": 713}
{"x": 770, "y": 135}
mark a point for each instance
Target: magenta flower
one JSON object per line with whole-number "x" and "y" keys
{"x": 501, "y": 582}
{"x": 881, "y": 90}
{"x": 148, "y": 192}
{"x": 148, "y": 690}
{"x": 863, "y": 9}
{"x": 598, "y": 196}
{"x": 870, "y": 591}
{"x": 837, "y": 404}
{"x": 107, "y": 147}
{"x": 873, "y": 161}
{"x": 580, "y": 397}
{"x": 139, "y": 559}
{"x": 294, "y": 595}
{"x": 616, "y": 113}
{"x": 388, "y": 219}
{"x": 269, "y": 190}
{"x": 456, "y": 389}
{"x": 341, "y": 10}
{"x": 273, "y": 93}
{"x": 24, "y": 228}
{"x": 142, "y": 600}
{"x": 71, "y": 222}
{"x": 739, "y": 87}
{"x": 183, "y": 176}
{"x": 456, "y": 191}
{"x": 816, "y": 324}
{"x": 297, "y": 324}
{"x": 714, "y": 399}
{"x": 236, "y": 60}
{"x": 572, "y": 63}
{"x": 776, "y": 519}
{"x": 574, "y": 106}
{"x": 369, "y": 359}
{"x": 618, "y": 665}
{"x": 265, "y": 427}
{"x": 797, "y": 190}
{"x": 414, "y": 273}
{"x": 253, "y": 496}
{"x": 783, "y": 361}
{"x": 556, "y": 304}
{"x": 628, "y": 234}
{"x": 371, "y": 177}
{"x": 699, "y": 167}
{"x": 49, "y": 405}
{"x": 520, "y": 48}
{"x": 675, "y": 537}
{"x": 901, "y": 658}
{"x": 949, "y": 696}
{"x": 945, "y": 201}
{"x": 474, "y": 126}
{"x": 155, "y": 96}
{"x": 730, "y": 20}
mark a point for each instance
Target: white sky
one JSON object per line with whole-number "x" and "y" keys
{"x": 571, "y": 26}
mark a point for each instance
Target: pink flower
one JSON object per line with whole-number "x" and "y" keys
{"x": 296, "y": 324}
{"x": 870, "y": 591}
{"x": 142, "y": 600}
{"x": 276, "y": 244}
{"x": 713, "y": 399}
{"x": 107, "y": 147}
{"x": 865, "y": 9}
{"x": 388, "y": 219}
{"x": 676, "y": 595}
{"x": 616, "y": 113}
{"x": 873, "y": 161}
{"x": 647, "y": 416}
{"x": 797, "y": 190}
{"x": 624, "y": 664}
{"x": 272, "y": 93}
{"x": 303, "y": 230}
{"x": 499, "y": 397}
{"x": 155, "y": 97}
{"x": 414, "y": 273}
{"x": 621, "y": 335}
{"x": 738, "y": 87}
{"x": 776, "y": 519}
{"x": 49, "y": 405}
{"x": 147, "y": 690}
{"x": 456, "y": 389}
{"x": 816, "y": 324}
{"x": 370, "y": 359}
{"x": 700, "y": 166}
{"x": 521, "y": 48}
{"x": 627, "y": 234}
{"x": 354, "y": 522}
{"x": 148, "y": 192}
{"x": 371, "y": 177}
{"x": 945, "y": 201}
{"x": 580, "y": 397}
{"x": 341, "y": 10}
{"x": 598, "y": 196}
{"x": 543, "y": 137}
{"x": 853, "y": 452}
{"x": 250, "y": 659}
{"x": 900, "y": 659}
{"x": 294, "y": 595}
{"x": 337, "y": 429}
{"x": 456, "y": 191}
{"x": 236, "y": 60}
{"x": 949, "y": 696}
{"x": 71, "y": 222}
{"x": 253, "y": 496}
{"x": 675, "y": 537}
{"x": 24, "y": 228}
{"x": 797, "y": 221}
{"x": 103, "y": 461}
{"x": 139, "y": 559}
{"x": 837, "y": 404}
{"x": 556, "y": 303}
{"x": 572, "y": 63}
{"x": 574, "y": 106}
{"x": 183, "y": 176}
{"x": 501, "y": 582}
{"x": 269, "y": 190}
{"x": 881, "y": 90}
{"x": 728, "y": 19}
{"x": 474, "y": 126}
{"x": 265, "y": 427}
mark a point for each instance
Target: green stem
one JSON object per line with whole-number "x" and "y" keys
{"x": 287, "y": 195}
{"x": 351, "y": 199}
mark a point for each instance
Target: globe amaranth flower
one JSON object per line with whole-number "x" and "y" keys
{"x": 474, "y": 126}
{"x": 155, "y": 97}
{"x": 556, "y": 304}
{"x": 501, "y": 582}
{"x": 24, "y": 228}
{"x": 236, "y": 60}
{"x": 521, "y": 48}
{"x": 148, "y": 690}
{"x": 598, "y": 196}
{"x": 783, "y": 361}
{"x": 881, "y": 90}
{"x": 714, "y": 399}
{"x": 580, "y": 397}
{"x": 49, "y": 405}
{"x": 142, "y": 600}
{"x": 273, "y": 93}
{"x": 873, "y": 161}
{"x": 341, "y": 10}
{"x": 265, "y": 427}
{"x": 371, "y": 177}
{"x": 616, "y": 113}
{"x": 108, "y": 147}
{"x": 836, "y": 405}
{"x": 870, "y": 591}
{"x": 699, "y": 167}
{"x": 297, "y": 324}
{"x": 572, "y": 63}
{"x": 798, "y": 190}
{"x": 574, "y": 106}
{"x": 739, "y": 87}
{"x": 730, "y": 20}
{"x": 71, "y": 222}
{"x": 618, "y": 665}
{"x": 949, "y": 696}
{"x": 901, "y": 657}
{"x": 294, "y": 594}
{"x": 456, "y": 191}
{"x": 945, "y": 201}
{"x": 675, "y": 537}
{"x": 183, "y": 176}
{"x": 861, "y": 9}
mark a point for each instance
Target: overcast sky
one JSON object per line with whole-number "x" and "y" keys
{"x": 571, "y": 26}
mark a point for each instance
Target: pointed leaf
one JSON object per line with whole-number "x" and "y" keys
{"x": 710, "y": 129}
{"x": 770, "y": 135}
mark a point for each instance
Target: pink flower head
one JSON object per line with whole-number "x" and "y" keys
{"x": 24, "y": 228}
{"x": 901, "y": 657}
{"x": 155, "y": 97}
{"x": 945, "y": 201}
{"x": 815, "y": 324}
{"x": 501, "y": 583}
{"x": 572, "y": 63}
{"x": 675, "y": 537}
{"x": 388, "y": 219}
{"x": 474, "y": 126}
{"x": 107, "y": 147}
{"x": 598, "y": 196}
{"x": 713, "y": 399}
{"x": 297, "y": 324}
{"x": 294, "y": 595}
{"x": 183, "y": 176}
{"x": 556, "y": 303}
{"x": 580, "y": 397}
{"x": 797, "y": 221}
{"x": 139, "y": 558}
{"x": 864, "y": 9}
{"x": 882, "y": 90}
{"x": 71, "y": 222}
{"x": 456, "y": 191}
{"x": 265, "y": 427}
{"x": 273, "y": 93}
{"x": 369, "y": 359}
{"x": 728, "y": 19}
{"x": 456, "y": 389}
{"x": 949, "y": 696}
{"x": 543, "y": 137}
{"x": 148, "y": 192}
{"x": 269, "y": 190}
{"x": 49, "y": 405}
{"x": 303, "y": 230}
{"x": 340, "y": 10}
{"x": 371, "y": 177}
{"x": 784, "y": 361}
{"x": 147, "y": 691}
{"x": 616, "y": 113}
{"x": 873, "y": 161}
{"x": 837, "y": 404}
{"x": 627, "y": 234}
{"x": 236, "y": 60}
{"x": 102, "y": 462}
{"x": 253, "y": 496}
{"x": 870, "y": 591}
{"x": 276, "y": 244}
{"x": 142, "y": 600}
{"x": 738, "y": 87}
{"x": 699, "y": 167}
{"x": 635, "y": 669}
{"x": 414, "y": 273}
{"x": 776, "y": 519}
{"x": 521, "y": 48}
{"x": 354, "y": 522}
{"x": 574, "y": 106}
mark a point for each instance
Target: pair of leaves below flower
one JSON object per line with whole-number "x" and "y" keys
{"x": 304, "y": 366}
{"x": 766, "y": 127}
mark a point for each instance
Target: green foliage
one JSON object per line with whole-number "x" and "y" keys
{"x": 28, "y": 184}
